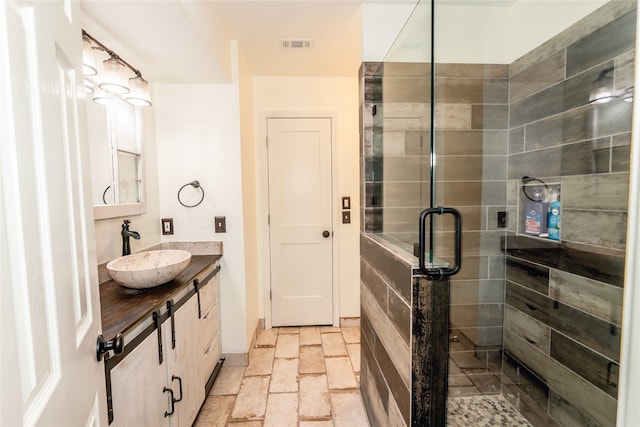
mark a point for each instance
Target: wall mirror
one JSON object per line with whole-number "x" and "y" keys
{"x": 116, "y": 142}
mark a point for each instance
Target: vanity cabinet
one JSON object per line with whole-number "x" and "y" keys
{"x": 170, "y": 361}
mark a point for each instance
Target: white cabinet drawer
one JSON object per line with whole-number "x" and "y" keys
{"x": 209, "y": 357}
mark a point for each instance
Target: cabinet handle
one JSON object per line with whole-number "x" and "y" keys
{"x": 173, "y": 401}
{"x": 207, "y": 349}
{"x": 157, "y": 321}
{"x": 173, "y": 378}
{"x": 173, "y": 323}
{"x": 196, "y": 284}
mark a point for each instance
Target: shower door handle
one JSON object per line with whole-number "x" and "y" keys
{"x": 440, "y": 272}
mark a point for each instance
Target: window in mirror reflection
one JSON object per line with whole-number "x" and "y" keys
{"x": 115, "y": 136}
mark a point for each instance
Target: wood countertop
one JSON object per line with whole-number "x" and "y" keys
{"x": 122, "y": 307}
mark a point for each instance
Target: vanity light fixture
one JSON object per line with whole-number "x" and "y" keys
{"x": 112, "y": 75}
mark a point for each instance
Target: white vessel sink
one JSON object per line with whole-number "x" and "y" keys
{"x": 148, "y": 269}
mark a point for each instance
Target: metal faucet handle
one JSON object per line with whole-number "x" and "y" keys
{"x": 126, "y": 222}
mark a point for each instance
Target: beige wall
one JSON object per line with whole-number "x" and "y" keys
{"x": 337, "y": 97}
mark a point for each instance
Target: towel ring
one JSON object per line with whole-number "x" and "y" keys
{"x": 194, "y": 184}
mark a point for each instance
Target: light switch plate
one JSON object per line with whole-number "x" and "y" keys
{"x": 346, "y": 217}
{"x": 346, "y": 202}
{"x": 167, "y": 226}
{"x": 221, "y": 224}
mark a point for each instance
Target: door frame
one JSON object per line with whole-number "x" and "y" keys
{"x": 262, "y": 210}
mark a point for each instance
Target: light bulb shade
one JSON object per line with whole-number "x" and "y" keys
{"x": 100, "y": 96}
{"x": 139, "y": 95}
{"x": 88, "y": 60}
{"x": 114, "y": 77}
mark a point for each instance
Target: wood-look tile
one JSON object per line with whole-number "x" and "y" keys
{"x": 596, "y": 298}
{"x": 516, "y": 140}
{"x": 395, "y": 418}
{"x": 589, "y": 365}
{"x": 453, "y": 116}
{"x": 477, "y": 291}
{"x": 471, "y": 142}
{"x": 282, "y": 410}
{"x": 525, "y": 381}
{"x": 568, "y": 94}
{"x": 472, "y": 193}
{"x": 393, "y": 270}
{"x": 490, "y": 117}
{"x": 471, "y": 90}
{"x": 476, "y": 315}
{"x": 413, "y": 89}
{"x": 533, "y": 276}
{"x": 472, "y": 70}
{"x": 539, "y": 76}
{"x": 526, "y": 404}
{"x": 416, "y": 143}
{"x": 371, "y": 376}
{"x": 404, "y": 194}
{"x": 471, "y": 168}
{"x": 603, "y": 44}
{"x": 387, "y": 339}
{"x": 623, "y": 72}
{"x": 372, "y": 401}
{"x": 372, "y": 89}
{"x": 602, "y": 192}
{"x": 580, "y": 158}
{"x": 534, "y": 332}
{"x": 566, "y": 414}
{"x": 399, "y": 314}
{"x": 578, "y": 125}
{"x": 599, "y": 228}
{"x": 404, "y": 168}
{"x": 595, "y": 333}
{"x": 621, "y": 152}
{"x": 601, "y": 264}
{"x": 583, "y": 395}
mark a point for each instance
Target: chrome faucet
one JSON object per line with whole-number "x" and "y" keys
{"x": 126, "y": 234}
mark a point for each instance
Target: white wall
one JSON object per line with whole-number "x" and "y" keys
{"x": 320, "y": 95}
{"x": 198, "y": 138}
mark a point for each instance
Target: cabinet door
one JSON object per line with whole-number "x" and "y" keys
{"x": 137, "y": 384}
{"x": 183, "y": 364}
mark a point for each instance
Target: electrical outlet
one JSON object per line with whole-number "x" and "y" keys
{"x": 502, "y": 219}
{"x": 221, "y": 224}
{"x": 167, "y": 226}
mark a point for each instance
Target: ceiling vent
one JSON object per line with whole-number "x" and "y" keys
{"x": 295, "y": 44}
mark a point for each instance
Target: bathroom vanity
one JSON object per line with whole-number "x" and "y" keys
{"x": 172, "y": 348}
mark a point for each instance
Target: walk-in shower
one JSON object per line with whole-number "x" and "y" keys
{"x": 517, "y": 115}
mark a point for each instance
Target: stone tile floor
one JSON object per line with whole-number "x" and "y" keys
{"x": 303, "y": 377}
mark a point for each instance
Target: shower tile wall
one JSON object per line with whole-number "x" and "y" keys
{"x": 563, "y": 300}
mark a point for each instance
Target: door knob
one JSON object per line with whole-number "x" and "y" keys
{"x": 102, "y": 346}
{"x": 326, "y": 234}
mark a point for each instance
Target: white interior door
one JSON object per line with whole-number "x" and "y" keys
{"x": 50, "y": 300}
{"x": 300, "y": 221}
